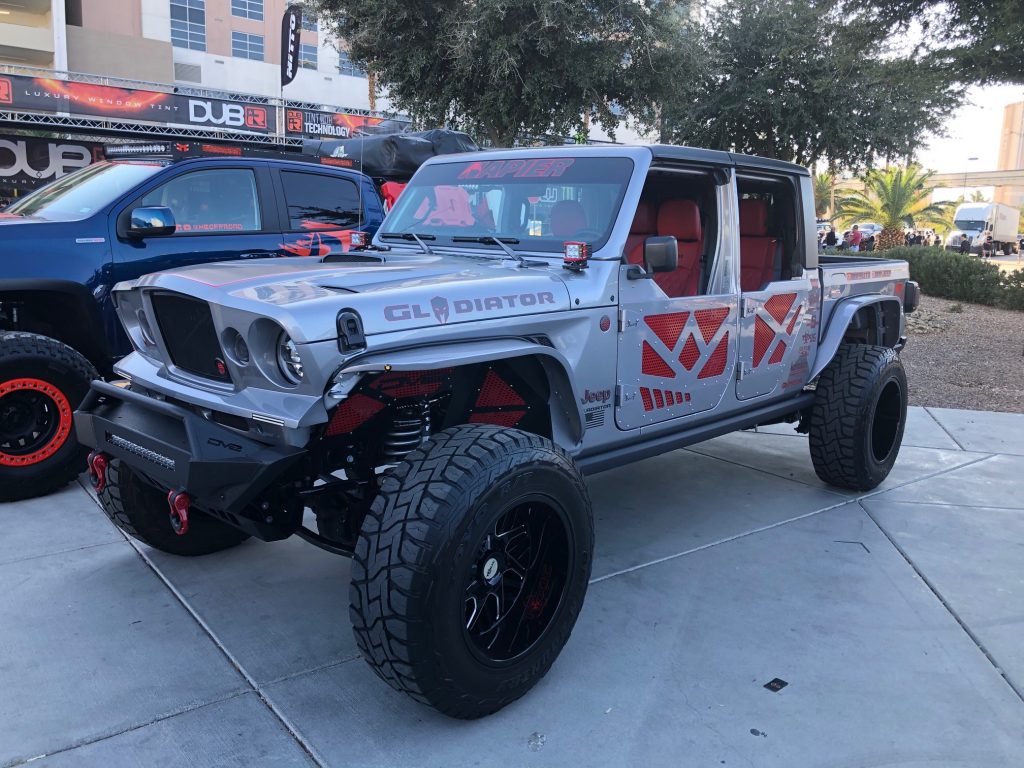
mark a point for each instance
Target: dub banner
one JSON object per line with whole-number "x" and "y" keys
{"x": 27, "y": 162}
{"x": 38, "y": 94}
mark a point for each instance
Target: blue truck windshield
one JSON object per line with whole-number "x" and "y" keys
{"x": 80, "y": 194}
{"x": 541, "y": 202}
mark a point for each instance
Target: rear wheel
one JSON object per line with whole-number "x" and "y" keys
{"x": 471, "y": 568}
{"x": 42, "y": 381}
{"x": 858, "y": 417}
{"x": 141, "y": 511}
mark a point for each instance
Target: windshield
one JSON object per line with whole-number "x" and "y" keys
{"x": 539, "y": 202}
{"x": 82, "y": 193}
{"x": 969, "y": 224}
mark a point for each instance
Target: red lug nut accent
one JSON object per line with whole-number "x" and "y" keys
{"x": 98, "y": 463}
{"x": 179, "y": 503}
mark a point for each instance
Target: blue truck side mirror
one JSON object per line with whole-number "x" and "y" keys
{"x": 152, "y": 221}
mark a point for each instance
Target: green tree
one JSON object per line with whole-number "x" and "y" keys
{"x": 800, "y": 80}
{"x": 896, "y": 198}
{"x": 824, "y": 187}
{"x": 509, "y": 70}
{"x": 974, "y": 40}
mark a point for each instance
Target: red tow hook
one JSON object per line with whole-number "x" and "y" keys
{"x": 179, "y": 502}
{"x": 98, "y": 462}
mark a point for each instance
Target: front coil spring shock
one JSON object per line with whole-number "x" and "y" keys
{"x": 409, "y": 430}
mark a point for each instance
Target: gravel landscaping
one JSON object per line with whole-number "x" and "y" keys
{"x": 963, "y": 355}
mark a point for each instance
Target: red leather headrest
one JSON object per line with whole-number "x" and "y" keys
{"x": 567, "y": 218}
{"x": 753, "y": 218}
{"x": 680, "y": 219}
{"x": 646, "y": 219}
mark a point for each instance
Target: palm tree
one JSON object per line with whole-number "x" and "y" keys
{"x": 824, "y": 184}
{"x": 895, "y": 198}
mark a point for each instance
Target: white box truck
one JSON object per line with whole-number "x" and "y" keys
{"x": 979, "y": 220}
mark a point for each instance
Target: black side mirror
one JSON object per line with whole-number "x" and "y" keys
{"x": 154, "y": 221}
{"x": 661, "y": 254}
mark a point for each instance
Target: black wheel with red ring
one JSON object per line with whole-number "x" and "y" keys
{"x": 42, "y": 381}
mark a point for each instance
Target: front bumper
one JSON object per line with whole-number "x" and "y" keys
{"x": 224, "y": 472}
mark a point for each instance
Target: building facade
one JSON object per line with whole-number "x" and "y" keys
{"x": 229, "y": 45}
{"x": 1011, "y": 153}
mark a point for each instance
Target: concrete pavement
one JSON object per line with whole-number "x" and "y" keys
{"x": 895, "y": 617}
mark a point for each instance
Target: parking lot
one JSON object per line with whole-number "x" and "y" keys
{"x": 894, "y": 617}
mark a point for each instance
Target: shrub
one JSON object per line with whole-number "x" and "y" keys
{"x": 952, "y": 275}
{"x": 1013, "y": 289}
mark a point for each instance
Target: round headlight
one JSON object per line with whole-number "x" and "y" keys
{"x": 288, "y": 359}
{"x": 239, "y": 349}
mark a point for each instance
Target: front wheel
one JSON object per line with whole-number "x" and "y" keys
{"x": 471, "y": 568}
{"x": 858, "y": 417}
{"x": 42, "y": 381}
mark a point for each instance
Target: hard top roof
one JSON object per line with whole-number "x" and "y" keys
{"x": 659, "y": 152}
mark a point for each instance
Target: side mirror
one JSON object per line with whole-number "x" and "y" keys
{"x": 661, "y": 254}
{"x": 152, "y": 221}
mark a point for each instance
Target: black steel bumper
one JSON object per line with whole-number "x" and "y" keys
{"x": 222, "y": 471}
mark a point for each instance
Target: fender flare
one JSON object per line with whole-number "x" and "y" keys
{"x": 86, "y": 315}
{"x": 841, "y": 318}
{"x": 566, "y": 415}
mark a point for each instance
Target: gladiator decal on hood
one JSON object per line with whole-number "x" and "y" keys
{"x": 442, "y": 309}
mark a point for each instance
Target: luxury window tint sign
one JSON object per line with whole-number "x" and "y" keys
{"x": 37, "y": 94}
{"x": 291, "y": 34}
{"x": 28, "y": 162}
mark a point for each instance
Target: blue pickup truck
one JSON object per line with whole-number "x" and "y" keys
{"x": 65, "y": 246}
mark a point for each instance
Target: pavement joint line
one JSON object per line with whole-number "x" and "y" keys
{"x": 90, "y": 740}
{"x": 59, "y": 552}
{"x": 951, "y": 504}
{"x": 945, "y": 604}
{"x": 255, "y": 686}
{"x": 769, "y": 473}
{"x": 780, "y": 523}
{"x": 942, "y": 426}
{"x": 311, "y": 670}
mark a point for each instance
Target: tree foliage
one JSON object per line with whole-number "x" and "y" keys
{"x": 505, "y": 70}
{"x": 974, "y": 40}
{"x": 896, "y": 198}
{"x": 805, "y": 81}
{"x": 824, "y": 185}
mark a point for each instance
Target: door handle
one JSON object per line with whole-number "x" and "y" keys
{"x": 258, "y": 255}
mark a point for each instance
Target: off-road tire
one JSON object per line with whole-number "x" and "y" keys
{"x": 141, "y": 511}
{"x": 858, "y": 417}
{"x": 61, "y": 376}
{"x": 407, "y": 590}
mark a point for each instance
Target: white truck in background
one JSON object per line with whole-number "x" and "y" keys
{"x": 979, "y": 220}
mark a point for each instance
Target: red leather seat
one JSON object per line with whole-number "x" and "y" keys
{"x": 757, "y": 247}
{"x": 567, "y": 218}
{"x": 681, "y": 220}
{"x": 645, "y": 224}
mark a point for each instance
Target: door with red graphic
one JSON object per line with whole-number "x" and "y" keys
{"x": 773, "y": 351}
{"x": 676, "y": 356}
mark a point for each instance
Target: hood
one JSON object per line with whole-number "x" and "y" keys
{"x": 405, "y": 293}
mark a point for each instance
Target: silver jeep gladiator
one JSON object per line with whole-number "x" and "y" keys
{"x": 430, "y": 404}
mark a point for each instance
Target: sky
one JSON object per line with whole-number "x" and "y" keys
{"x": 974, "y": 131}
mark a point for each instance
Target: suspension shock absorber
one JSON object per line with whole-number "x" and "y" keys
{"x": 409, "y": 429}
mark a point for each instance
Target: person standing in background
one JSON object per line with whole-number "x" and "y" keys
{"x": 855, "y": 239}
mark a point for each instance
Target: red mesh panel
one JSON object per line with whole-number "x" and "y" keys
{"x": 669, "y": 398}
{"x": 658, "y": 399}
{"x": 352, "y": 413}
{"x": 792, "y": 323}
{"x": 668, "y": 327}
{"x": 778, "y": 306}
{"x": 690, "y": 354}
{"x": 497, "y": 418}
{"x": 496, "y": 393}
{"x": 654, "y": 365}
{"x": 687, "y": 397}
{"x": 405, "y": 384}
{"x": 645, "y": 395}
{"x": 710, "y": 320}
{"x": 715, "y": 366}
{"x": 780, "y": 350}
{"x": 763, "y": 338}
